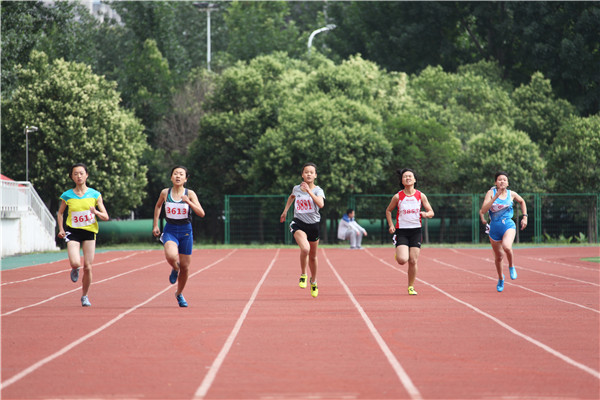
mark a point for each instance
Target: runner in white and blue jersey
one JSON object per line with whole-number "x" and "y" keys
{"x": 177, "y": 236}
{"x": 498, "y": 203}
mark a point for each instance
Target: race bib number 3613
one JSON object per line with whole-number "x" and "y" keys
{"x": 176, "y": 210}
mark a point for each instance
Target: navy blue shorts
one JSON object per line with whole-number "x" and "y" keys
{"x": 410, "y": 237}
{"x": 312, "y": 230}
{"x": 180, "y": 234}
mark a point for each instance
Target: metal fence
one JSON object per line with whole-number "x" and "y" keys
{"x": 18, "y": 198}
{"x": 553, "y": 218}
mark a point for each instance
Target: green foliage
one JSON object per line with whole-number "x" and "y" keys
{"x": 24, "y": 25}
{"x": 427, "y": 147}
{"x": 79, "y": 120}
{"x": 540, "y": 112}
{"x": 502, "y": 149}
{"x": 466, "y": 102}
{"x": 574, "y": 161}
{"x": 270, "y": 116}
{"x": 340, "y": 135}
{"x": 148, "y": 83}
{"x": 260, "y": 28}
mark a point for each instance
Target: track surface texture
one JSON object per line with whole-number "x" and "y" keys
{"x": 251, "y": 333}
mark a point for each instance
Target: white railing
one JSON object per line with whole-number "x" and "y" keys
{"x": 19, "y": 198}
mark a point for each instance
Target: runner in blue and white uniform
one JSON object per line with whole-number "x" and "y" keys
{"x": 308, "y": 199}
{"x": 177, "y": 236}
{"x": 498, "y": 203}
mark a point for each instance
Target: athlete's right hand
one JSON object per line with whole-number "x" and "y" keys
{"x": 156, "y": 231}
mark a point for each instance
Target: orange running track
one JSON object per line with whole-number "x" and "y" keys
{"x": 251, "y": 333}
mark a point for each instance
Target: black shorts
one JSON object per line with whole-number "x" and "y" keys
{"x": 312, "y": 230}
{"x": 78, "y": 235}
{"x": 408, "y": 237}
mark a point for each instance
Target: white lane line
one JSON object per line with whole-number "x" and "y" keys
{"x": 67, "y": 270}
{"x": 78, "y": 288}
{"x": 568, "y": 360}
{"x": 216, "y": 365}
{"x": 396, "y": 366}
{"x": 516, "y": 285}
{"x": 562, "y": 263}
{"x": 82, "y": 339}
{"x": 533, "y": 270}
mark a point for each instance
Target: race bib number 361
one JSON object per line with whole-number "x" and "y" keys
{"x": 82, "y": 218}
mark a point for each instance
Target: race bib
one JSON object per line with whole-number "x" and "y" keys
{"x": 82, "y": 218}
{"x": 304, "y": 205}
{"x": 177, "y": 210}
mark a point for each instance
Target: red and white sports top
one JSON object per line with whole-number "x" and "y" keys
{"x": 408, "y": 213}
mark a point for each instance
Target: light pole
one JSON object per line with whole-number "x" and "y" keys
{"x": 206, "y": 7}
{"x": 28, "y": 130}
{"x": 328, "y": 27}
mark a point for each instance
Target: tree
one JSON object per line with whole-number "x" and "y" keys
{"x": 24, "y": 26}
{"x": 574, "y": 160}
{"x": 501, "y": 148}
{"x": 79, "y": 120}
{"x": 426, "y": 146}
{"x": 540, "y": 113}
{"x": 342, "y": 136}
{"x": 147, "y": 83}
{"x": 466, "y": 102}
{"x": 260, "y": 28}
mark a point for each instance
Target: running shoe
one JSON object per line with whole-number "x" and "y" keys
{"x": 74, "y": 274}
{"x": 181, "y": 300}
{"x": 302, "y": 282}
{"x": 173, "y": 276}
{"x": 513, "y": 272}
{"x": 500, "y": 285}
{"x": 85, "y": 302}
{"x": 412, "y": 291}
{"x": 314, "y": 290}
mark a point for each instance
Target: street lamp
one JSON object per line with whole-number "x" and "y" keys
{"x": 328, "y": 27}
{"x": 28, "y": 130}
{"x": 206, "y": 7}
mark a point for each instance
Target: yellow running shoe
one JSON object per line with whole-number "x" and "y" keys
{"x": 302, "y": 282}
{"x": 314, "y": 290}
{"x": 412, "y": 291}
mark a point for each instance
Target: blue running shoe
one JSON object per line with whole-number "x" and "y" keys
{"x": 181, "y": 300}
{"x": 173, "y": 276}
{"x": 500, "y": 286}
{"x": 74, "y": 274}
{"x": 513, "y": 272}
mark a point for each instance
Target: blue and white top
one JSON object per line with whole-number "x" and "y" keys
{"x": 501, "y": 209}
{"x": 177, "y": 212}
{"x": 305, "y": 208}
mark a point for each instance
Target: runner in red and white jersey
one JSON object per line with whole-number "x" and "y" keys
{"x": 407, "y": 230}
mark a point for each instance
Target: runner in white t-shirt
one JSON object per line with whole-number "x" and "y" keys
{"x": 308, "y": 199}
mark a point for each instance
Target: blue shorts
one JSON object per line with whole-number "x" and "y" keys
{"x": 181, "y": 235}
{"x": 498, "y": 228}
